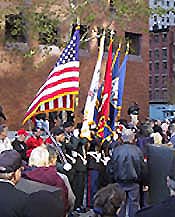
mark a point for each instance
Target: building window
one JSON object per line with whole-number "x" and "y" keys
{"x": 150, "y": 54}
{"x": 150, "y": 81}
{"x": 164, "y": 53}
{"x": 48, "y": 30}
{"x": 156, "y": 54}
{"x": 156, "y": 37}
{"x": 164, "y": 81}
{"x": 168, "y": 3}
{"x": 157, "y": 94}
{"x": 163, "y": 19}
{"x": 156, "y": 67}
{"x": 150, "y": 66}
{"x": 156, "y": 81}
{"x": 162, "y": 2}
{"x": 164, "y": 66}
{"x": 150, "y": 95}
{"x": 165, "y": 94}
{"x": 168, "y": 19}
{"x": 155, "y": 2}
{"x": 135, "y": 43}
{"x": 15, "y": 28}
{"x": 164, "y": 37}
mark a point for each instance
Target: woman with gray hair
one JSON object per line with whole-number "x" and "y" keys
{"x": 43, "y": 170}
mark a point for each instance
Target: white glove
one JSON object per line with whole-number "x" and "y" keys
{"x": 76, "y": 132}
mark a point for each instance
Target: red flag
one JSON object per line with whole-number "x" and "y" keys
{"x": 103, "y": 111}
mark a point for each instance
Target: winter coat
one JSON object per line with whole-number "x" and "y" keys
{"x": 128, "y": 163}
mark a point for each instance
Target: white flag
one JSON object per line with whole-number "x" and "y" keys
{"x": 92, "y": 94}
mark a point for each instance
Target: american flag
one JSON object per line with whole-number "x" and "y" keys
{"x": 57, "y": 93}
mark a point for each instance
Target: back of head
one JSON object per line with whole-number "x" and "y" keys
{"x": 157, "y": 138}
{"x": 53, "y": 153}
{"x": 43, "y": 203}
{"x": 39, "y": 157}
{"x": 109, "y": 199}
{"x": 128, "y": 135}
{"x": 10, "y": 165}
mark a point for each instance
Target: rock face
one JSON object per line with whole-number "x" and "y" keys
{"x": 20, "y": 77}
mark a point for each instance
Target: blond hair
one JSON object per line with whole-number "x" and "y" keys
{"x": 157, "y": 138}
{"x": 39, "y": 157}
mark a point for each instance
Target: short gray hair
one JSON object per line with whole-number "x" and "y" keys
{"x": 128, "y": 135}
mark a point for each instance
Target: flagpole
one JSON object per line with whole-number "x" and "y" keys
{"x": 116, "y": 54}
{"x": 119, "y": 108}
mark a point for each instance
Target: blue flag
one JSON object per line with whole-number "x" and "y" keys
{"x": 122, "y": 74}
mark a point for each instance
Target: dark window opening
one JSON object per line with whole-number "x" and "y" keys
{"x": 157, "y": 95}
{"x": 164, "y": 65}
{"x": 48, "y": 30}
{"x": 156, "y": 82}
{"x": 164, "y": 81}
{"x": 156, "y": 37}
{"x": 15, "y": 28}
{"x": 164, "y": 37}
{"x": 150, "y": 54}
{"x": 150, "y": 66}
{"x": 156, "y": 54}
{"x": 164, "y": 54}
{"x": 134, "y": 42}
{"x": 156, "y": 67}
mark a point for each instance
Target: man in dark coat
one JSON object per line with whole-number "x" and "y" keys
{"x": 12, "y": 201}
{"x": 128, "y": 166}
{"x": 19, "y": 143}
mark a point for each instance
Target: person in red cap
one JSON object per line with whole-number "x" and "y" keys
{"x": 34, "y": 141}
{"x": 19, "y": 143}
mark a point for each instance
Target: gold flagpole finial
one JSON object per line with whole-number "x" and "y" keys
{"x": 78, "y": 24}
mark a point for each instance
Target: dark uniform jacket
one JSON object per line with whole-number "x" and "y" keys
{"x": 21, "y": 147}
{"x": 128, "y": 163}
{"x": 12, "y": 201}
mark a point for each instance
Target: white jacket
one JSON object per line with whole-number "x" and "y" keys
{"x": 5, "y": 144}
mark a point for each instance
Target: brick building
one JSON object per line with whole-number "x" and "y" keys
{"x": 161, "y": 63}
{"x": 20, "y": 77}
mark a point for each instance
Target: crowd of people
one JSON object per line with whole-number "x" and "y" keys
{"x": 109, "y": 176}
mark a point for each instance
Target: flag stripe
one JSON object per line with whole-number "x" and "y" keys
{"x": 73, "y": 64}
{"x": 59, "y": 76}
{"x": 50, "y": 96}
{"x": 60, "y": 102}
{"x": 65, "y": 102}
{"x": 62, "y": 88}
{"x": 64, "y": 80}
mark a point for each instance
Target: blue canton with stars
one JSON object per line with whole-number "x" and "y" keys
{"x": 70, "y": 53}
